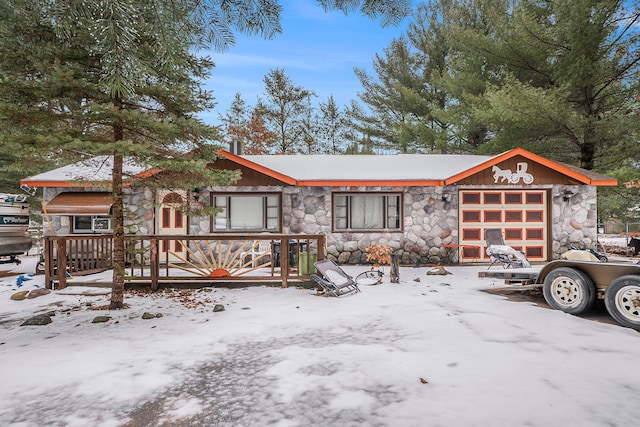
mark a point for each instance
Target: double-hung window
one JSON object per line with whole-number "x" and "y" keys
{"x": 366, "y": 211}
{"x": 246, "y": 212}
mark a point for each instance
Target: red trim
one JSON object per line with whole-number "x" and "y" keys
{"x": 256, "y": 167}
{"x": 533, "y": 157}
{"x": 370, "y": 182}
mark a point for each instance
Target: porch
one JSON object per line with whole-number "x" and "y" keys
{"x": 167, "y": 260}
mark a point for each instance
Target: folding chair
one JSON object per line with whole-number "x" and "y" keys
{"x": 500, "y": 253}
{"x": 335, "y": 282}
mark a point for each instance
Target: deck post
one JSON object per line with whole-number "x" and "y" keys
{"x": 48, "y": 262}
{"x": 153, "y": 263}
{"x": 61, "y": 244}
{"x": 322, "y": 245}
{"x": 284, "y": 261}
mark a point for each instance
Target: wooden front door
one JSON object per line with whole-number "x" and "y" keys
{"x": 172, "y": 222}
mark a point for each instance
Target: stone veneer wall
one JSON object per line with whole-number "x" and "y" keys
{"x": 430, "y": 220}
{"x": 139, "y": 211}
{"x": 575, "y": 221}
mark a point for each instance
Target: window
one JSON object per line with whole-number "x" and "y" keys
{"x": 492, "y": 216}
{"x": 534, "y": 216}
{"x": 366, "y": 211}
{"x": 471, "y": 216}
{"x": 250, "y": 212}
{"x": 91, "y": 224}
{"x": 492, "y": 198}
{"x": 513, "y": 198}
{"x": 470, "y": 198}
{"x": 513, "y": 233}
{"x": 471, "y": 234}
{"x": 534, "y": 198}
{"x": 513, "y": 216}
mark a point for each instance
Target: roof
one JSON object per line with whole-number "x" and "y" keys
{"x": 398, "y": 169}
{"x": 335, "y": 170}
{"x": 95, "y": 169}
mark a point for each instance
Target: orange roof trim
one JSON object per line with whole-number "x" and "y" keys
{"x": 371, "y": 183}
{"x": 535, "y": 158}
{"x": 258, "y": 168}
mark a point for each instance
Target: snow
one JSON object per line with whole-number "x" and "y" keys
{"x": 286, "y": 357}
{"x": 367, "y": 167}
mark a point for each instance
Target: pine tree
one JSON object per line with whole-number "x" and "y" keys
{"x": 122, "y": 78}
{"x": 283, "y": 110}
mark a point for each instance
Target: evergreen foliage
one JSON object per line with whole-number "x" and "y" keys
{"x": 123, "y": 78}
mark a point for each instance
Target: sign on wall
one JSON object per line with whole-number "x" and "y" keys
{"x": 505, "y": 175}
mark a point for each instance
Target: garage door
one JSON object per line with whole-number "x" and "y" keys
{"x": 520, "y": 214}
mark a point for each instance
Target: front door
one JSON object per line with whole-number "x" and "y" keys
{"x": 172, "y": 222}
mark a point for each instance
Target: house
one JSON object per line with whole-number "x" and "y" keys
{"x": 428, "y": 208}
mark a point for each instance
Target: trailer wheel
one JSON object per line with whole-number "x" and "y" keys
{"x": 622, "y": 299}
{"x": 569, "y": 290}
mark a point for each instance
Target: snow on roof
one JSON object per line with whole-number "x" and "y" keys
{"x": 94, "y": 169}
{"x": 368, "y": 167}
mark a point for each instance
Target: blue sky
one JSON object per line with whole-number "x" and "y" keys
{"x": 317, "y": 50}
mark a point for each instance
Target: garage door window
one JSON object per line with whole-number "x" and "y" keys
{"x": 534, "y": 216}
{"x": 492, "y": 198}
{"x": 513, "y": 198}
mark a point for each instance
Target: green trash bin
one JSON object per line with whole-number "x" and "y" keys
{"x": 305, "y": 268}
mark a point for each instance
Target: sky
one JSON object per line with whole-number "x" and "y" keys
{"x": 318, "y": 51}
{"x": 432, "y": 350}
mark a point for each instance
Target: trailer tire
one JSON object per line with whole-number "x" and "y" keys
{"x": 569, "y": 290}
{"x": 622, "y": 299}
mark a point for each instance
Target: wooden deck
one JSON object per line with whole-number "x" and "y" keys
{"x": 212, "y": 260}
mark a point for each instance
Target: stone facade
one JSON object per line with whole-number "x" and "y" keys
{"x": 430, "y": 219}
{"x": 574, "y": 217}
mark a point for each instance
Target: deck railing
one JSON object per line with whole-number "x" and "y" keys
{"x": 187, "y": 260}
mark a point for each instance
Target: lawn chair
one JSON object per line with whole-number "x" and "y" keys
{"x": 335, "y": 282}
{"x": 499, "y": 253}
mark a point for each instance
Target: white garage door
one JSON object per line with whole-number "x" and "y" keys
{"x": 520, "y": 214}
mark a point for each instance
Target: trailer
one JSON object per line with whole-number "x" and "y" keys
{"x": 573, "y": 286}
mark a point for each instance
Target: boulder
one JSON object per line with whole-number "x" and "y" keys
{"x": 38, "y": 293}
{"x": 438, "y": 271}
{"x": 19, "y": 296}
{"x": 40, "y": 319}
{"x": 218, "y": 307}
{"x": 101, "y": 319}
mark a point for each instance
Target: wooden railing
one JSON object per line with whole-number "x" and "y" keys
{"x": 187, "y": 260}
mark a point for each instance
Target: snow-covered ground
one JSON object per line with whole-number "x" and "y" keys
{"x": 429, "y": 351}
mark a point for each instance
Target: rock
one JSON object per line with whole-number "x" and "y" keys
{"x": 439, "y": 271}
{"x": 19, "y": 296}
{"x": 218, "y": 307}
{"x": 40, "y": 319}
{"x": 147, "y": 316}
{"x": 446, "y": 233}
{"x": 575, "y": 224}
{"x": 101, "y": 319}
{"x": 38, "y": 293}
